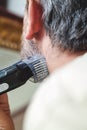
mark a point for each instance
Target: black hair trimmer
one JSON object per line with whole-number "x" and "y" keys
{"x": 16, "y": 75}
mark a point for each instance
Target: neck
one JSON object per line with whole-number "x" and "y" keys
{"x": 54, "y": 57}
{"x": 60, "y": 59}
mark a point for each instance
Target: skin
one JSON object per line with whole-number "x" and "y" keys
{"x": 35, "y": 40}
{"x": 6, "y": 122}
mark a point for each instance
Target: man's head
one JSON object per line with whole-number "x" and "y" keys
{"x": 55, "y": 27}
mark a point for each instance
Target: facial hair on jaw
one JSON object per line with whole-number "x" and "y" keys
{"x": 28, "y": 47}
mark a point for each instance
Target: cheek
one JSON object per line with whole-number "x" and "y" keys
{"x": 24, "y": 49}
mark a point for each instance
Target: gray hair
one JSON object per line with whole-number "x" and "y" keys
{"x": 66, "y": 23}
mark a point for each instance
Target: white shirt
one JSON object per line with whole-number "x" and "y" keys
{"x": 60, "y": 103}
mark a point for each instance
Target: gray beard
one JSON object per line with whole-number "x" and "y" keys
{"x": 28, "y": 47}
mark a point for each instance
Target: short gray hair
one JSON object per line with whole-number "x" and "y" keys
{"x": 66, "y": 23}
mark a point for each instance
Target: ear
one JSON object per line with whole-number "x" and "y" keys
{"x": 34, "y": 19}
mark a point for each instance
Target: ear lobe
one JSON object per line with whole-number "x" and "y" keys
{"x": 34, "y": 19}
